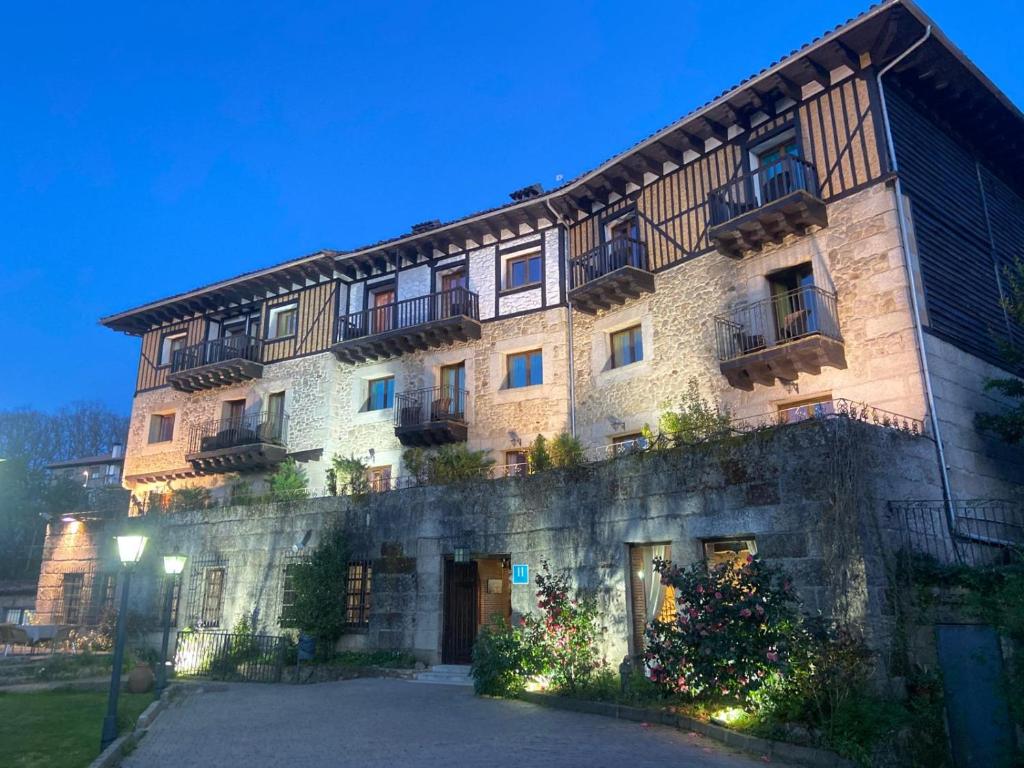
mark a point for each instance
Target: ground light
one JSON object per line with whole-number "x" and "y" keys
{"x": 727, "y": 716}
{"x": 173, "y": 567}
{"x": 129, "y": 550}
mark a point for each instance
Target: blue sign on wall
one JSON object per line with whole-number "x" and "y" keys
{"x": 520, "y": 573}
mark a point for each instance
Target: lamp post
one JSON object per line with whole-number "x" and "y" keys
{"x": 173, "y": 566}
{"x": 129, "y": 550}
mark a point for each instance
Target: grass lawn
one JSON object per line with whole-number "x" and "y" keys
{"x": 59, "y": 729}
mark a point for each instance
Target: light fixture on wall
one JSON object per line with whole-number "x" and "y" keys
{"x": 514, "y": 438}
{"x": 372, "y": 454}
{"x": 617, "y": 424}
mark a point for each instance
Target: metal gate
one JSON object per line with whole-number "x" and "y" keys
{"x": 980, "y": 729}
{"x": 460, "y": 612}
{"x": 228, "y": 656}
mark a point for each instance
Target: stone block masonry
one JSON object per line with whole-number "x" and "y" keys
{"x": 811, "y": 495}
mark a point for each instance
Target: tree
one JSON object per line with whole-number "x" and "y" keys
{"x": 1009, "y": 424}
{"x": 566, "y": 451}
{"x": 320, "y": 583}
{"x": 537, "y": 455}
{"x": 289, "y": 482}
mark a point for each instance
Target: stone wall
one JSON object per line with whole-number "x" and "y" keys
{"x": 858, "y": 255}
{"x": 811, "y": 494}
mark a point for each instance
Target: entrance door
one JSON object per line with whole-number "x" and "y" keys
{"x": 460, "y": 619}
{"x": 980, "y": 729}
{"x": 382, "y": 313}
{"x": 453, "y": 294}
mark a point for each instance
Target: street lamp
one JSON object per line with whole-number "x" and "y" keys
{"x": 173, "y": 566}
{"x": 129, "y": 550}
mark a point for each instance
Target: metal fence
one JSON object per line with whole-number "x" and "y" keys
{"x": 229, "y": 656}
{"x": 983, "y": 532}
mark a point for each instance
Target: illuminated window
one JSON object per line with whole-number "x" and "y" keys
{"x": 811, "y": 408}
{"x": 627, "y": 346}
{"x": 357, "y": 593}
{"x": 379, "y": 478}
{"x": 729, "y": 551}
{"x": 71, "y": 598}
{"x": 161, "y": 428}
{"x": 523, "y": 270}
{"x": 525, "y": 369}
{"x": 213, "y": 597}
{"x": 283, "y": 321}
{"x": 380, "y": 394}
{"x": 170, "y": 345}
{"x": 650, "y": 600}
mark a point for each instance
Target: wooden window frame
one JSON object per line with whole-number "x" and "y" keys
{"x": 273, "y": 315}
{"x": 636, "y": 335}
{"x": 358, "y": 585}
{"x": 164, "y": 345}
{"x": 528, "y": 355}
{"x": 389, "y": 393}
{"x": 155, "y": 431}
{"x": 518, "y": 468}
{"x": 527, "y": 259}
{"x": 287, "y": 596}
{"x": 205, "y": 608}
{"x": 71, "y": 600}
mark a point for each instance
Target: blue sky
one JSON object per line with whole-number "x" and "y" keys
{"x": 149, "y": 151}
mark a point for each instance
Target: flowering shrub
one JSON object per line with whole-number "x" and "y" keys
{"x": 734, "y": 628}
{"x": 505, "y": 657}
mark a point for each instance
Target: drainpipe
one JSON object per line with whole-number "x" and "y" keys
{"x": 564, "y": 255}
{"x": 947, "y": 490}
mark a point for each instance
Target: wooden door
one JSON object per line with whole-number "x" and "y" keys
{"x": 453, "y": 294}
{"x": 382, "y": 314}
{"x": 451, "y": 400}
{"x": 460, "y": 613}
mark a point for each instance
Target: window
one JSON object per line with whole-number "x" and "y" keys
{"x": 161, "y": 428}
{"x": 622, "y": 444}
{"x": 288, "y": 596}
{"x": 627, "y": 346}
{"x": 516, "y": 464}
{"x": 729, "y": 551}
{"x": 102, "y": 601}
{"x": 525, "y": 369}
{"x": 778, "y": 171}
{"x": 170, "y": 345}
{"x": 381, "y": 394}
{"x": 283, "y": 321}
{"x": 379, "y": 478}
{"x": 71, "y": 598}
{"x": 15, "y": 616}
{"x": 233, "y": 412}
{"x": 275, "y": 415}
{"x": 622, "y": 228}
{"x": 649, "y": 598}
{"x": 811, "y": 408}
{"x": 523, "y": 270}
{"x": 172, "y": 583}
{"x": 213, "y": 597}
{"x": 357, "y": 600}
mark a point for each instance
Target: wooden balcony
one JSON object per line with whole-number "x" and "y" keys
{"x": 237, "y": 445}
{"x": 764, "y": 206}
{"x": 216, "y": 363}
{"x": 779, "y": 338}
{"x": 431, "y": 416}
{"x": 423, "y": 322}
{"x": 609, "y": 275}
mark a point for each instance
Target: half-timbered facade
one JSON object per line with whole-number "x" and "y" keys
{"x": 836, "y": 227}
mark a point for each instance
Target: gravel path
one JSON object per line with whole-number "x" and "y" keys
{"x": 378, "y": 722}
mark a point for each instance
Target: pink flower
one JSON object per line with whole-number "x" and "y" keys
{"x": 745, "y": 613}
{"x": 773, "y": 656}
{"x": 718, "y": 595}
{"x": 750, "y": 558}
{"x": 700, "y": 589}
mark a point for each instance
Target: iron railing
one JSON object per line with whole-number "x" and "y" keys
{"x": 228, "y": 656}
{"x": 217, "y": 351}
{"x": 454, "y": 302}
{"x": 422, "y": 406}
{"x": 785, "y": 317}
{"x": 606, "y": 258}
{"x": 983, "y": 532}
{"x": 231, "y": 433}
{"x": 750, "y": 191}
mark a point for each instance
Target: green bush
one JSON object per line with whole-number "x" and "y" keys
{"x": 348, "y": 475}
{"x": 454, "y": 463}
{"x": 566, "y": 451}
{"x": 289, "y": 482}
{"x": 695, "y": 421}
{"x": 319, "y": 583}
{"x": 537, "y": 455}
{"x": 188, "y": 498}
{"x": 505, "y": 658}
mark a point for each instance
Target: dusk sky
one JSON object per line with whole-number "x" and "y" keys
{"x": 147, "y": 151}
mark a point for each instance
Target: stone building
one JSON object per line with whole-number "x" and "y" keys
{"x": 828, "y": 236}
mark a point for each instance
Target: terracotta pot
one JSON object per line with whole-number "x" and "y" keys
{"x": 141, "y": 679}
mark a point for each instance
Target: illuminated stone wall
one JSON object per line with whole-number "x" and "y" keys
{"x": 814, "y": 496}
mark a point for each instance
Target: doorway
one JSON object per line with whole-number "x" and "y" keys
{"x": 476, "y": 593}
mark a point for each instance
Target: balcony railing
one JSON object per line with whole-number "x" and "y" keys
{"x": 607, "y": 258}
{"x": 257, "y": 428}
{"x": 762, "y": 186}
{"x": 217, "y": 351}
{"x": 781, "y": 319}
{"x": 431, "y": 416}
{"x": 407, "y": 313}
{"x": 766, "y": 204}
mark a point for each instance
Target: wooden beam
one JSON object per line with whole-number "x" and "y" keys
{"x": 819, "y": 72}
{"x": 846, "y": 54}
{"x": 717, "y": 130}
{"x": 648, "y": 163}
{"x": 788, "y": 88}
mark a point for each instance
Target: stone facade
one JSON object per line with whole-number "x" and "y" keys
{"x": 813, "y": 496}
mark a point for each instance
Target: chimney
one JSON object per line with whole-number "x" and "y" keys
{"x": 534, "y": 190}
{"x": 425, "y": 226}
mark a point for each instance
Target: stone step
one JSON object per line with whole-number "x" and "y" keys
{"x": 446, "y": 674}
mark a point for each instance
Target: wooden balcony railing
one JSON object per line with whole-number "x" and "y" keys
{"x": 249, "y": 430}
{"x": 217, "y": 351}
{"x": 408, "y": 313}
{"x": 778, "y": 320}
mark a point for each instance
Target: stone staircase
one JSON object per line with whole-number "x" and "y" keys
{"x": 445, "y": 674}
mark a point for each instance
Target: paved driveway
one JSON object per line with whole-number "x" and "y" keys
{"x": 377, "y": 722}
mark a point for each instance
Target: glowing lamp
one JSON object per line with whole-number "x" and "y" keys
{"x": 129, "y": 548}
{"x": 174, "y": 564}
